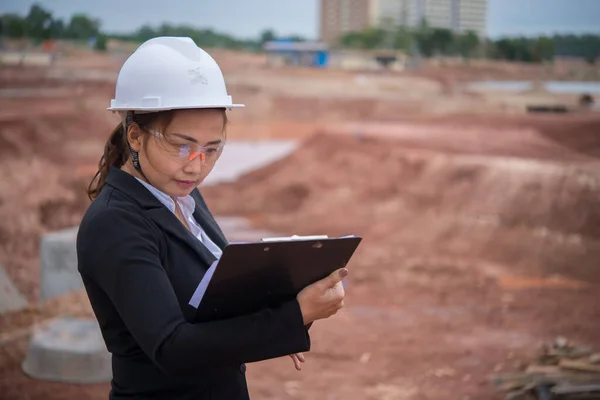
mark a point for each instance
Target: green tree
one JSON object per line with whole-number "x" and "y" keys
{"x": 100, "y": 44}
{"x": 144, "y": 33}
{"x": 441, "y": 40}
{"x": 370, "y": 38}
{"x": 466, "y": 43}
{"x": 374, "y": 38}
{"x": 13, "y": 26}
{"x": 585, "y": 46}
{"x": 266, "y": 36}
{"x": 202, "y": 37}
{"x": 352, "y": 40}
{"x": 423, "y": 39}
{"x": 403, "y": 39}
{"x": 39, "y": 22}
{"x": 57, "y": 29}
{"x": 83, "y": 27}
{"x": 542, "y": 49}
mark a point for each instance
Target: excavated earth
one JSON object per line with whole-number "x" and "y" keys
{"x": 480, "y": 226}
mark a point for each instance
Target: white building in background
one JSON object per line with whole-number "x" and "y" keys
{"x": 340, "y": 16}
{"x": 457, "y": 15}
{"x": 400, "y": 12}
{"x": 438, "y": 13}
{"x": 471, "y": 15}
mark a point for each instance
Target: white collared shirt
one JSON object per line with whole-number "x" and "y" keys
{"x": 187, "y": 206}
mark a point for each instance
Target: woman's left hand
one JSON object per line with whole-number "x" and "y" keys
{"x": 298, "y": 358}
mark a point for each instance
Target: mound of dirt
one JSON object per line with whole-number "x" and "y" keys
{"x": 472, "y": 253}
{"x": 530, "y": 215}
{"x": 39, "y": 190}
{"x": 36, "y": 196}
{"x": 465, "y": 229}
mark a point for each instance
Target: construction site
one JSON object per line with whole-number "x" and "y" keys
{"x": 480, "y": 220}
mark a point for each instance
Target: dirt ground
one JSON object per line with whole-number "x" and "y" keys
{"x": 470, "y": 259}
{"x": 480, "y": 223}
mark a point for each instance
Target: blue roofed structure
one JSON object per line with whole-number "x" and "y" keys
{"x": 289, "y": 52}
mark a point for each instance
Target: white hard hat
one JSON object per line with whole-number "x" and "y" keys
{"x": 170, "y": 73}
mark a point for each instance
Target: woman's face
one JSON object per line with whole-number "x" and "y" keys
{"x": 171, "y": 160}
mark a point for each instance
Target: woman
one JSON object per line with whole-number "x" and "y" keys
{"x": 148, "y": 237}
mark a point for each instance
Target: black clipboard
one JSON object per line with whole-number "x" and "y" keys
{"x": 251, "y": 276}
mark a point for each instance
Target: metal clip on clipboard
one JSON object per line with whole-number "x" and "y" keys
{"x": 294, "y": 237}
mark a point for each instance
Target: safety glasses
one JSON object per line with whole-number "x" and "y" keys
{"x": 184, "y": 151}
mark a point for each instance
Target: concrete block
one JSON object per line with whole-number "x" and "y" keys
{"x": 240, "y": 157}
{"x": 10, "y": 297}
{"x": 58, "y": 264}
{"x": 25, "y": 58}
{"x": 69, "y": 350}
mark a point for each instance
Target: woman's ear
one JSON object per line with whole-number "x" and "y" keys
{"x": 134, "y": 136}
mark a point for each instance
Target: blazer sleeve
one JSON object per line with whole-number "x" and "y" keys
{"x": 125, "y": 263}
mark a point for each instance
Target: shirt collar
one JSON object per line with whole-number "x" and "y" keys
{"x": 187, "y": 203}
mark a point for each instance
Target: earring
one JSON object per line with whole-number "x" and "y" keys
{"x": 136, "y": 159}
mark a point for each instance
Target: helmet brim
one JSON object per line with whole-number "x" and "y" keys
{"x": 190, "y": 107}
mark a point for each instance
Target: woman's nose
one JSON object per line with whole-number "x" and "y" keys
{"x": 196, "y": 164}
{"x": 200, "y": 155}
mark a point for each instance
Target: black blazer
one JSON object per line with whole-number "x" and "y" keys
{"x": 140, "y": 267}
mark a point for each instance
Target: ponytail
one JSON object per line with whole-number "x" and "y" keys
{"x": 115, "y": 155}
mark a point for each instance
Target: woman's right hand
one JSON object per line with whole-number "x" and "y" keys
{"x": 323, "y": 298}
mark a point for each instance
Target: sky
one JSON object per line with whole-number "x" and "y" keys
{"x": 247, "y": 18}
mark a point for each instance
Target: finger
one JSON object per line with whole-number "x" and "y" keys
{"x": 336, "y": 307}
{"x": 301, "y": 357}
{"x": 334, "y": 278}
{"x": 338, "y": 289}
{"x": 296, "y": 362}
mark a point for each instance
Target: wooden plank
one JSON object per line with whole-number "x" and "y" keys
{"x": 542, "y": 369}
{"x": 576, "y": 389}
{"x": 595, "y": 358}
{"x": 510, "y": 381}
{"x": 579, "y": 365}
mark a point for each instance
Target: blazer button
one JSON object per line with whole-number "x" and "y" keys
{"x": 243, "y": 368}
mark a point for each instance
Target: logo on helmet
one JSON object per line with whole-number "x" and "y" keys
{"x": 197, "y": 77}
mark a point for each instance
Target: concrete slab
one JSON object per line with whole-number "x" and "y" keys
{"x": 10, "y": 297}
{"x": 23, "y": 93}
{"x": 83, "y": 74}
{"x": 58, "y": 264}
{"x": 240, "y": 157}
{"x": 69, "y": 350}
{"x": 25, "y": 58}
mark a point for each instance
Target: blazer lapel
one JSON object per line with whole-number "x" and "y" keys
{"x": 167, "y": 221}
{"x": 156, "y": 211}
{"x": 207, "y": 221}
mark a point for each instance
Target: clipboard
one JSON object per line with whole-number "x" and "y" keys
{"x": 251, "y": 276}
